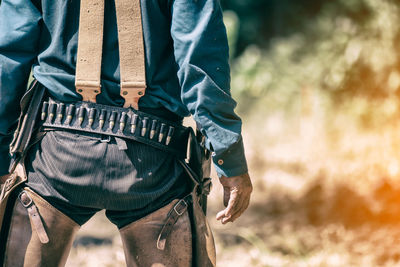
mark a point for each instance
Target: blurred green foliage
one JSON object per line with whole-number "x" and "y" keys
{"x": 344, "y": 52}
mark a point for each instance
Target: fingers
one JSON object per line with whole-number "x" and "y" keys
{"x": 233, "y": 202}
{"x": 220, "y": 215}
{"x": 236, "y": 212}
{"x": 230, "y": 201}
{"x": 237, "y": 191}
{"x": 234, "y": 208}
{"x": 227, "y": 196}
{"x": 243, "y": 207}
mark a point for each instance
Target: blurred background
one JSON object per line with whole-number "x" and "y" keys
{"x": 317, "y": 84}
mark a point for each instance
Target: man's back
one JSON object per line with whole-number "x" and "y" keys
{"x": 186, "y": 58}
{"x": 76, "y": 168}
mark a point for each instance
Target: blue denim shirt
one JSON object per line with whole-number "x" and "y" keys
{"x": 187, "y": 69}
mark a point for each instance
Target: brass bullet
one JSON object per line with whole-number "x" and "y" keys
{"x": 81, "y": 115}
{"x": 71, "y": 110}
{"x": 161, "y": 135}
{"x": 60, "y": 112}
{"x": 134, "y": 122}
{"x": 112, "y": 120}
{"x": 52, "y": 109}
{"x": 144, "y": 126}
{"x": 45, "y": 107}
{"x": 122, "y": 121}
{"x": 169, "y": 136}
{"x": 92, "y": 115}
{"x": 153, "y": 129}
{"x": 102, "y": 118}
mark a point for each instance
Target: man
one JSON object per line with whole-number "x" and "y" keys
{"x": 79, "y": 173}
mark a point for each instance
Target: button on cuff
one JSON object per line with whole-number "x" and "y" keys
{"x": 231, "y": 162}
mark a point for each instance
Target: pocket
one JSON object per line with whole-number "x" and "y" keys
{"x": 68, "y": 137}
{"x": 62, "y": 137}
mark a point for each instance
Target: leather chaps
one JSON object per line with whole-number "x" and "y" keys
{"x": 176, "y": 235}
{"x": 25, "y": 246}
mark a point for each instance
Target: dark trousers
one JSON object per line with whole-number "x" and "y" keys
{"x": 83, "y": 173}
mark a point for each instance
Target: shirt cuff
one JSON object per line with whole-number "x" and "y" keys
{"x": 5, "y": 161}
{"x": 231, "y": 162}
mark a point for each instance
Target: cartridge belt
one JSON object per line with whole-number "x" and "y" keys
{"x": 126, "y": 123}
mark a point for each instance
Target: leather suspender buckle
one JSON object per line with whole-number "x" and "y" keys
{"x": 88, "y": 90}
{"x": 132, "y": 92}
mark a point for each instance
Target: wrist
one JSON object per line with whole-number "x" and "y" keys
{"x": 234, "y": 180}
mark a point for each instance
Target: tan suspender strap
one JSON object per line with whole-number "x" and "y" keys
{"x": 90, "y": 47}
{"x": 131, "y": 51}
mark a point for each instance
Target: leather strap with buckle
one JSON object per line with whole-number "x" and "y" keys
{"x": 34, "y": 215}
{"x": 174, "y": 214}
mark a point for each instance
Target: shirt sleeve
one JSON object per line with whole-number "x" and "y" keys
{"x": 19, "y": 34}
{"x": 202, "y": 54}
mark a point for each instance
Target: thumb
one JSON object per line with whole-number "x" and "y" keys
{"x": 227, "y": 195}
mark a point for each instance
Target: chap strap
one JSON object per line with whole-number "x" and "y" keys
{"x": 34, "y": 215}
{"x": 131, "y": 50}
{"x": 174, "y": 214}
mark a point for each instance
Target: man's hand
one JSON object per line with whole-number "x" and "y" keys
{"x": 237, "y": 192}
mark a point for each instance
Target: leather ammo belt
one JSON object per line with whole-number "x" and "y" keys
{"x": 126, "y": 123}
